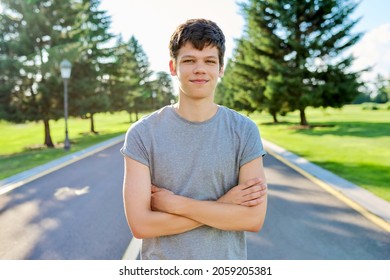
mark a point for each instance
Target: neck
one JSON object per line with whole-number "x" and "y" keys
{"x": 196, "y": 110}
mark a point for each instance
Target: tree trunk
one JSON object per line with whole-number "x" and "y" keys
{"x": 130, "y": 117}
{"x": 48, "y": 141}
{"x": 92, "y": 124}
{"x": 275, "y": 117}
{"x": 303, "y": 117}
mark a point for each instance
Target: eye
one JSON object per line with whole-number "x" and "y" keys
{"x": 211, "y": 61}
{"x": 188, "y": 61}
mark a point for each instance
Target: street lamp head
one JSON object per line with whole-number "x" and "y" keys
{"x": 66, "y": 68}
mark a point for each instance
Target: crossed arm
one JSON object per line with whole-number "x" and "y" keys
{"x": 152, "y": 211}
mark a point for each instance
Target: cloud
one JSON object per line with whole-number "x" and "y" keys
{"x": 374, "y": 50}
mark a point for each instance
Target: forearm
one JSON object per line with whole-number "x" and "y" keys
{"x": 154, "y": 223}
{"x": 223, "y": 216}
{"x": 243, "y": 208}
{"x": 143, "y": 221}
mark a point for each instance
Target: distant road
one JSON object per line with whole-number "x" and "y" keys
{"x": 76, "y": 212}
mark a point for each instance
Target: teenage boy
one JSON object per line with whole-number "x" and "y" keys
{"x": 194, "y": 179}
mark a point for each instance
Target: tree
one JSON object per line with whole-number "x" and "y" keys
{"x": 162, "y": 90}
{"x": 295, "y": 51}
{"x": 33, "y": 35}
{"x": 382, "y": 88}
{"x": 237, "y": 87}
{"x": 9, "y": 71}
{"x": 89, "y": 90}
{"x": 130, "y": 77}
{"x": 251, "y": 79}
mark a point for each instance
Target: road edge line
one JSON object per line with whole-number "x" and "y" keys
{"x": 133, "y": 249}
{"x": 354, "y": 205}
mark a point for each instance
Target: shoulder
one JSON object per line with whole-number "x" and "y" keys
{"x": 151, "y": 120}
{"x": 237, "y": 119}
{"x": 140, "y": 135}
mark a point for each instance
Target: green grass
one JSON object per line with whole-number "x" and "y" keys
{"x": 21, "y": 144}
{"x": 351, "y": 142}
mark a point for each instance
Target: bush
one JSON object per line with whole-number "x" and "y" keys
{"x": 370, "y": 106}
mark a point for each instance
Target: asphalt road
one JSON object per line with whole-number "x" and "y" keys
{"x": 73, "y": 213}
{"x": 304, "y": 222}
{"x": 77, "y": 213}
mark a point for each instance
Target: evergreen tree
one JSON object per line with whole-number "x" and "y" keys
{"x": 130, "y": 78}
{"x": 293, "y": 50}
{"x": 89, "y": 89}
{"x": 33, "y": 35}
{"x": 236, "y": 87}
{"x": 162, "y": 90}
{"x": 382, "y": 89}
{"x": 9, "y": 71}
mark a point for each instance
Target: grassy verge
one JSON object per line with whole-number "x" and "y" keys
{"x": 21, "y": 144}
{"x": 351, "y": 142}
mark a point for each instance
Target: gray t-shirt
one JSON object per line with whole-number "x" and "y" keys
{"x": 196, "y": 160}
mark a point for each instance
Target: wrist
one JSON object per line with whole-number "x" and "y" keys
{"x": 179, "y": 204}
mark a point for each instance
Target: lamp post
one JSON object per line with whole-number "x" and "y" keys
{"x": 66, "y": 68}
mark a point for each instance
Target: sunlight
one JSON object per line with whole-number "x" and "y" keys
{"x": 66, "y": 193}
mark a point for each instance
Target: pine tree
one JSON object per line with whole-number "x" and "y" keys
{"x": 89, "y": 89}
{"x": 236, "y": 88}
{"x": 9, "y": 71}
{"x": 33, "y": 35}
{"x": 292, "y": 54}
{"x": 382, "y": 89}
{"x": 162, "y": 90}
{"x": 130, "y": 78}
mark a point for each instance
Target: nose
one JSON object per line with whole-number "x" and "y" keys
{"x": 199, "y": 68}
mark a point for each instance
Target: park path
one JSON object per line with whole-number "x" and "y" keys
{"x": 76, "y": 212}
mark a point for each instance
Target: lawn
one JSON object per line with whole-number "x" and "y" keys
{"x": 351, "y": 142}
{"x": 21, "y": 144}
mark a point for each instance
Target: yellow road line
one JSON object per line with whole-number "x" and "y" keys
{"x": 357, "y": 207}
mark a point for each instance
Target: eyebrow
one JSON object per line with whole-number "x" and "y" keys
{"x": 193, "y": 56}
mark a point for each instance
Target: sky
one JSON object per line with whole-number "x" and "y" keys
{"x": 153, "y": 21}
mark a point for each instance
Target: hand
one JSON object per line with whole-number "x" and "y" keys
{"x": 161, "y": 199}
{"x": 249, "y": 193}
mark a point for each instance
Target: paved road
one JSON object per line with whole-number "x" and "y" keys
{"x": 77, "y": 213}
{"x": 73, "y": 213}
{"x": 306, "y": 222}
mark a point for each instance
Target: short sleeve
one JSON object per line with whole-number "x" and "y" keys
{"x": 252, "y": 147}
{"x": 134, "y": 145}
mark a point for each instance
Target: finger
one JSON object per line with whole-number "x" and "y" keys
{"x": 254, "y": 202}
{"x": 252, "y": 196}
{"x": 255, "y": 195}
{"x": 254, "y": 189}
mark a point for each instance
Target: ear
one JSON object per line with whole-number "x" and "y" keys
{"x": 172, "y": 68}
{"x": 221, "y": 72}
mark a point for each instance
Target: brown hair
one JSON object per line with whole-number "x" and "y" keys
{"x": 200, "y": 33}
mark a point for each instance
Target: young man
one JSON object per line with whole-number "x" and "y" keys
{"x": 194, "y": 179}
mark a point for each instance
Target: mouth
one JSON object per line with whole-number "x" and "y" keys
{"x": 199, "y": 81}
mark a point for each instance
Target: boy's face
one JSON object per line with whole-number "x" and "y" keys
{"x": 197, "y": 71}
